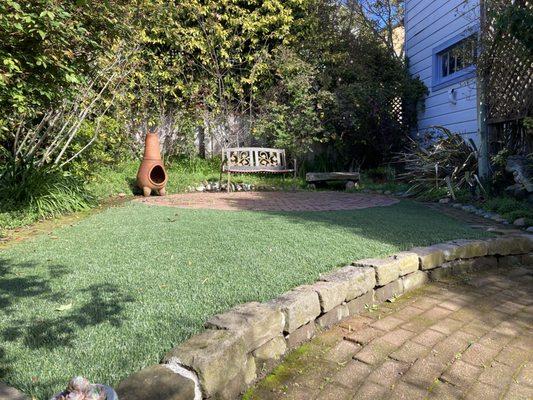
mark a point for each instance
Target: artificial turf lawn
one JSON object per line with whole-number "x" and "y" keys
{"x": 136, "y": 280}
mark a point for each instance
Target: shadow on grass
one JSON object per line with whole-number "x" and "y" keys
{"x": 405, "y": 224}
{"x": 53, "y": 328}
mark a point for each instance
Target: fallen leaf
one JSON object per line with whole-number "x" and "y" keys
{"x": 64, "y": 307}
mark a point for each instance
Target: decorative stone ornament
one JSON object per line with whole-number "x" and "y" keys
{"x": 152, "y": 174}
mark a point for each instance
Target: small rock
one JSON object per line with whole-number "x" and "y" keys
{"x": 530, "y": 229}
{"x": 9, "y": 393}
{"x": 457, "y": 205}
{"x": 446, "y": 200}
{"x": 350, "y": 185}
{"x": 520, "y": 222}
{"x": 122, "y": 195}
{"x": 387, "y": 192}
{"x": 200, "y": 188}
{"x": 208, "y": 187}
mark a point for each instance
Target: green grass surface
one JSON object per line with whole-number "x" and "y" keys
{"x": 111, "y": 294}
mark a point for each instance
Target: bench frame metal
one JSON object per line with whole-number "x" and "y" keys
{"x": 254, "y": 160}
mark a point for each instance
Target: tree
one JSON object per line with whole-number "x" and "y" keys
{"x": 47, "y": 46}
{"x": 340, "y": 91}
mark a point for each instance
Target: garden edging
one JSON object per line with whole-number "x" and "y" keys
{"x": 248, "y": 341}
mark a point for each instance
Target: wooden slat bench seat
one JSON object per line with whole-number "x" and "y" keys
{"x": 254, "y": 160}
{"x": 316, "y": 177}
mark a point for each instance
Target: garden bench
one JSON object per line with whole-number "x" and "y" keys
{"x": 319, "y": 177}
{"x": 253, "y": 160}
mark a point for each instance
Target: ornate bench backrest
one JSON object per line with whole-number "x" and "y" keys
{"x": 255, "y": 158}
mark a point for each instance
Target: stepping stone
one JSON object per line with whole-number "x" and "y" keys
{"x": 9, "y": 393}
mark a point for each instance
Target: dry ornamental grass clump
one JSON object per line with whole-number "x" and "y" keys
{"x": 443, "y": 160}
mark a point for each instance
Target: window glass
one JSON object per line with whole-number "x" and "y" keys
{"x": 460, "y": 56}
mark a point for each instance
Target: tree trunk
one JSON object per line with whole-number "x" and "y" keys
{"x": 201, "y": 141}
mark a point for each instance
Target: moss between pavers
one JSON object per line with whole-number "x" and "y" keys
{"x": 302, "y": 360}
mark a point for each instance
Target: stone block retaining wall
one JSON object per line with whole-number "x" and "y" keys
{"x": 246, "y": 342}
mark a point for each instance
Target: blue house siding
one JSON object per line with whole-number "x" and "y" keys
{"x": 431, "y": 26}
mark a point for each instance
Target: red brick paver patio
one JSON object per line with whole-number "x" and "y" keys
{"x": 274, "y": 201}
{"x": 470, "y": 339}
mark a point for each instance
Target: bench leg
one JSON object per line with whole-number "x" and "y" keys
{"x": 228, "y": 189}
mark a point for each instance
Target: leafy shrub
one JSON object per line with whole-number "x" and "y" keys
{"x": 40, "y": 193}
{"x": 511, "y": 209}
{"x": 381, "y": 174}
{"x": 107, "y": 145}
{"x": 443, "y": 161}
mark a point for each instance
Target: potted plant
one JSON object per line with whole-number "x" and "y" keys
{"x": 80, "y": 388}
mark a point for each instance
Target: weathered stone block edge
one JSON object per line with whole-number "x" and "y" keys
{"x": 248, "y": 344}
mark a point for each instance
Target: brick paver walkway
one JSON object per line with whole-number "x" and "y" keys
{"x": 274, "y": 201}
{"x": 474, "y": 220}
{"x": 471, "y": 339}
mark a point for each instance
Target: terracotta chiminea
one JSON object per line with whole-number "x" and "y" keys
{"x": 152, "y": 174}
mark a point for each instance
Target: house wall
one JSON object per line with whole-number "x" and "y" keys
{"x": 430, "y": 24}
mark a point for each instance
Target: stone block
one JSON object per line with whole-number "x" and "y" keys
{"x": 451, "y": 268}
{"x": 388, "y": 291}
{"x": 407, "y": 262}
{"x": 527, "y": 260}
{"x": 301, "y": 335}
{"x": 525, "y": 243}
{"x": 156, "y": 382}
{"x": 510, "y": 245}
{"x": 299, "y": 306}
{"x": 234, "y": 387}
{"x": 268, "y": 355}
{"x": 217, "y": 356}
{"x": 509, "y": 261}
{"x": 256, "y": 322}
{"x": 357, "y": 305}
{"x": 414, "y": 280}
{"x": 271, "y": 350}
{"x": 386, "y": 269}
{"x": 333, "y": 316}
{"x": 429, "y": 257}
{"x": 10, "y": 393}
{"x": 250, "y": 371}
{"x": 449, "y": 250}
{"x": 470, "y": 248}
{"x": 360, "y": 280}
{"x": 330, "y": 294}
{"x": 484, "y": 263}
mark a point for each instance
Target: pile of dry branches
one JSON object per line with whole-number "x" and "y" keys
{"x": 443, "y": 160}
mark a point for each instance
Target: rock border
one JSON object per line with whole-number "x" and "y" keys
{"x": 248, "y": 341}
